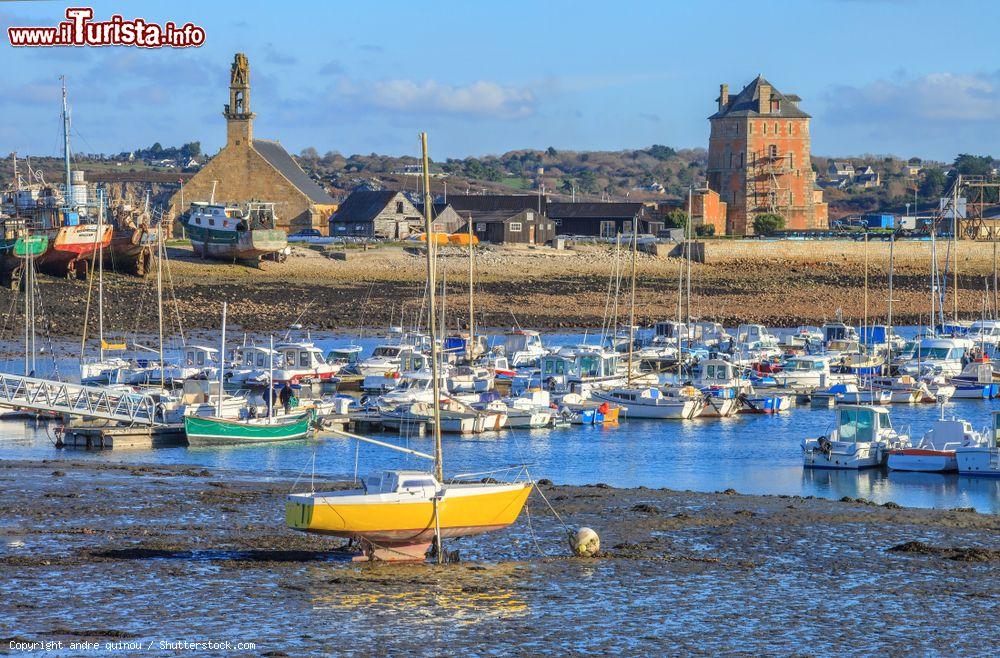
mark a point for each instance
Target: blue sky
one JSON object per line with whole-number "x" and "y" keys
{"x": 900, "y": 77}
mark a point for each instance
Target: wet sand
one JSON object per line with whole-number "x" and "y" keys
{"x": 112, "y": 552}
{"x": 776, "y": 283}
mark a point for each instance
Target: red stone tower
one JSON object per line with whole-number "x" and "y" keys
{"x": 758, "y": 159}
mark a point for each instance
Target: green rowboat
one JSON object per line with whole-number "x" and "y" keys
{"x": 203, "y": 431}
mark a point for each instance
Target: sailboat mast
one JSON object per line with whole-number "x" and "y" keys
{"x": 472, "y": 317}
{"x": 687, "y": 242}
{"x": 222, "y": 361}
{"x": 631, "y": 313}
{"x": 954, "y": 239}
{"x": 933, "y": 274}
{"x": 100, "y": 271}
{"x": 270, "y": 378}
{"x": 159, "y": 297}
{"x": 892, "y": 244}
{"x": 69, "y": 177}
{"x": 26, "y": 282}
{"x": 436, "y": 385}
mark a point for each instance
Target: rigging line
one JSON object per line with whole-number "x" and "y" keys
{"x": 173, "y": 294}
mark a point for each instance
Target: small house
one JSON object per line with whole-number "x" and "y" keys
{"x": 509, "y": 226}
{"x": 601, "y": 219}
{"x": 376, "y": 214}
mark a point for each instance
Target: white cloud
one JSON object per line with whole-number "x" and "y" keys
{"x": 479, "y": 99}
{"x": 934, "y": 96}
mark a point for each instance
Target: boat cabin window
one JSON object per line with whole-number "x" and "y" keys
{"x": 554, "y": 367}
{"x": 260, "y": 360}
{"x": 590, "y": 366}
{"x": 418, "y": 483}
{"x": 856, "y": 425}
{"x": 304, "y": 360}
{"x": 386, "y": 351}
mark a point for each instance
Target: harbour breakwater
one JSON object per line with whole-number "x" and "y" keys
{"x": 778, "y": 283}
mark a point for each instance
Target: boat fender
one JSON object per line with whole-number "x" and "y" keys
{"x": 584, "y": 543}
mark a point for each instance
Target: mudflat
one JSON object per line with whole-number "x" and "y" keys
{"x": 100, "y": 551}
{"x": 779, "y": 283}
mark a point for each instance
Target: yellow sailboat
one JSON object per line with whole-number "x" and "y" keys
{"x": 397, "y": 514}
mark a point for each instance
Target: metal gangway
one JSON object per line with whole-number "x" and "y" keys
{"x": 95, "y": 402}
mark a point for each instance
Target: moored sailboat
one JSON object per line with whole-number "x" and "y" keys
{"x": 396, "y": 515}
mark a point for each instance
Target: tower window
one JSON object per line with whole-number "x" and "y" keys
{"x": 765, "y": 128}
{"x": 399, "y": 207}
{"x": 772, "y": 151}
{"x": 789, "y": 127}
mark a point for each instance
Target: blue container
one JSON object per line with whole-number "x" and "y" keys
{"x": 877, "y": 220}
{"x": 71, "y": 218}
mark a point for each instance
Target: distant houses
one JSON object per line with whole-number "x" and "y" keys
{"x": 842, "y": 174}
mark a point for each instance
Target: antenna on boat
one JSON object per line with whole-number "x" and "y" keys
{"x": 69, "y": 177}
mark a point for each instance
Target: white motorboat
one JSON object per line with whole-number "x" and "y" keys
{"x": 980, "y": 455}
{"x": 903, "y": 389}
{"x": 301, "y": 362}
{"x": 469, "y": 379}
{"x": 384, "y": 359}
{"x": 810, "y": 372}
{"x": 939, "y": 356}
{"x": 935, "y": 452}
{"x": 653, "y": 403}
{"x": 529, "y": 411}
{"x": 251, "y": 363}
{"x": 581, "y": 369}
{"x": 862, "y": 438}
{"x": 523, "y": 348}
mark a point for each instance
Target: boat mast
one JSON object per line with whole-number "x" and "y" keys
{"x": 631, "y": 313}
{"x": 954, "y": 239}
{"x": 472, "y": 317}
{"x": 690, "y": 234}
{"x": 933, "y": 274}
{"x": 69, "y": 178}
{"x": 270, "y": 379}
{"x": 222, "y": 361}
{"x": 159, "y": 297}
{"x": 865, "y": 334}
{"x": 100, "y": 270}
{"x": 888, "y": 337}
{"x": 438, "y": 465}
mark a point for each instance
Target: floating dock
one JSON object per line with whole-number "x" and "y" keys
{"x": 106, "y": 437}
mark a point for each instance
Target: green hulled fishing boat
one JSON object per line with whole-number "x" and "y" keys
{"x": 230, "y": 233}
{"x": 202, "y": 430}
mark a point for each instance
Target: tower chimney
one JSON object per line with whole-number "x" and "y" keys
{"x": 723, "y": 96}
{"x": 764, "y": 99}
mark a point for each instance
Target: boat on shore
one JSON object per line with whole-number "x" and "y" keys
{"x": 230, "y": 233}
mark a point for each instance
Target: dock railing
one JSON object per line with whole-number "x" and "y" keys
{"x": 94, "y": 402}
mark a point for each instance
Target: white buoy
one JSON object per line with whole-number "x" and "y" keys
{"x": 585, "y": 543}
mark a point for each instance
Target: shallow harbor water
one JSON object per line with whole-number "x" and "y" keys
{"x": 756, "y": 454}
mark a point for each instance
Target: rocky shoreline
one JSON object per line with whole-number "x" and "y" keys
{"x": 96, "y": 549}
{"x": 778, "y": 284}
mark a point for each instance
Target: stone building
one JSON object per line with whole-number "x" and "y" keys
{"x": 708, "y": 209}
{"x": 376, "y": 214}
{"x": 249, "y": 169}
{"x": 758, "y": 159}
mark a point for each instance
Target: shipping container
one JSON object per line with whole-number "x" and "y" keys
{"x": 879, "y": 220}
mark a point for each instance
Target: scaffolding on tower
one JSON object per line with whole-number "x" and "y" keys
{"x": 969, "y": 200}
{"x": 766, "y": 191}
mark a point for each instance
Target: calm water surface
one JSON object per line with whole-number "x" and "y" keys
{"x": 749, "y": 453}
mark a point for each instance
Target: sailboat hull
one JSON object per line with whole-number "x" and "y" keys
{"x": 223, "y": 431}
{"x": 394, "y": 521}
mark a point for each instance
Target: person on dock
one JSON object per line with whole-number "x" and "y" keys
{"x": 286, "y": 397}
